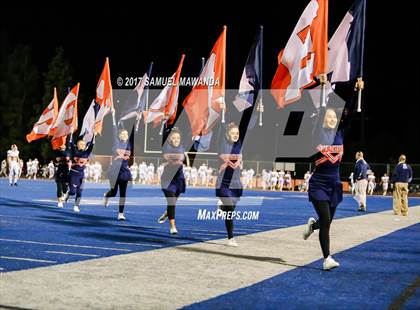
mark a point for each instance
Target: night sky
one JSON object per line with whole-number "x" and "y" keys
{"x": 134, "y": 36}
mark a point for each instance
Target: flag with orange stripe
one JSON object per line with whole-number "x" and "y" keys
{"x": 305, "y": 55}
{"x": 44, "y": 124}
{"x": 66, "y": 121}
{"x": 103, "y": 96}
{"x": 166, "y": 103}
{"x": 203, "y": 103}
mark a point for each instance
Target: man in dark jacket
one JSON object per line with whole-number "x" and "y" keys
{"x": 360, "y": 180}
{"x": 401, "y": 176}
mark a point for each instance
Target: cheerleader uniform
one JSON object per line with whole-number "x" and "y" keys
{"x": 325, "y": 188}
{"x": 228, "y": 184}
{"x": 119, "y": 173}
{"x": 77, "y": 171}
{"x": 172, "y": 179}
{"x": 61, "y": 175}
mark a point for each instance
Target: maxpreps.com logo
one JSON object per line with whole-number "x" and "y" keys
{"x": 168, "y": 81}
{"x": 209, "y": 215}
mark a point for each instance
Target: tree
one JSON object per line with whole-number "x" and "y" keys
{"x": 19, "y": 89}
{"x": 59, "y": 76}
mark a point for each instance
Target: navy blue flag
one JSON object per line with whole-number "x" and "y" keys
{"x": 89, "y": 120}
{"x": 345, "y": 54}
{"x": 136, "y": 103}
{"x": 251, "y": 80}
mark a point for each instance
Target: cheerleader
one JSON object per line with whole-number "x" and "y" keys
{"x": 80, "y": 155}
{"x": 119, "y": 173}
{"x": 172, "y": 179}
{"x": 61, "y": 175}
{"x": 228, "y": 184}
{"x": 325, "y": 188}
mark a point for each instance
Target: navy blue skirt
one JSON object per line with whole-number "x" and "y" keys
{"x": 229, "y": 185}
{"x": 173, "y": 180}
{"x": 119, "y": 171}
{"x": 324, "y": 187}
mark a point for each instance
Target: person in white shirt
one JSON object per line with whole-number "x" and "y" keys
{"x": 51, "y": 170}
{"x": 97, "y": 171}
{"x": 159, "y": 172}
{"x": 142, "y": 173}
{"x": 250, "y": 176}
{"x": 202, "y": 174}
{"x": 3, "y": 168}
{"x": 385, "y": 183}
{"x": 288, "y": 180}
{"x": 29, "y": 168}
{"x": 35, "y": 167}
{"x": 265, "y": 179}
{"x": 14, "y": 166}
{"x": 352, "y": 185}
{"x": 134, "y": 169}
{"x": 274, "y": 178}
{"x": 209, "y": 174}
{"x": 150, "y": 173}
{"x": 194, "y": 176}
{"x": 371, "y": 183}
{"x": 281, "y": 179}
{"x": 306, "y": 177}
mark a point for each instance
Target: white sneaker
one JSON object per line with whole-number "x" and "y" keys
{"x": 330, "y": 263}
{"x": 121, "y": 217}
{"x": 219, "y": 204}
{"x": 76, "y": 209}
{"x": 163, "y": 218}
{"x": 65, "y": 197}
{"x": 308, "y": 229}
{"x": 60, "y": 205}
{"x": 232, "y": 242}
{"x": 106, "y": 201}
{"x": 173, "y": 230}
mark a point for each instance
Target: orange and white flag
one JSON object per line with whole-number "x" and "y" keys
{"x": 44, "y": 124}
{"x": 305, "y": 54}
{"x": 166, "y": 103}
{"x": 203, "y": 103}
{"x": 66, "y": 121}
{"x": 103, "y": 96}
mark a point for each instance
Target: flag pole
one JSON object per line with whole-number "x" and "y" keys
{"x": 260, "y": 106}
{"x": 323, "y": 81}
{"x": 224, "y": 74}
{"x": 360, "y": 83}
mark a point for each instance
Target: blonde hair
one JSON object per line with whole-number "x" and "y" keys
{"x": 229, "y": 127}
{"x": 402, "y": 158}
{"x": 359, "y": 154}
{"x": 325, "y": 117}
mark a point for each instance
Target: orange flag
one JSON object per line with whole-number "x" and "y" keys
{"x": 44, "y": 124}
{"x": 203, "y": 103}
{"x": 305, "y": 55}
{"x": 66, "y": 121}
{"x": 165, "y": 104}
{"x": 103, "y": 96}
